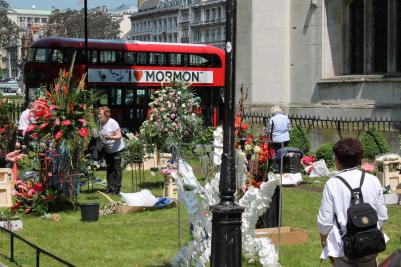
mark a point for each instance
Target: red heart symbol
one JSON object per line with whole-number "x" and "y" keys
{"x": 138, "y": 75}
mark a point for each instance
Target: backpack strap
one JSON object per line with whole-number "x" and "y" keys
{"x": 356, "y": 194}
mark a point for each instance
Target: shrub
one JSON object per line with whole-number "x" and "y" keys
{"x": 374, "y": 143}
{"x": 299, "y": 138}
{"x": 325, "y": 152}
{"x": 133, "y": 152}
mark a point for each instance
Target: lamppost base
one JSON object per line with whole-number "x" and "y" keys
{"x": 226, "y": 235}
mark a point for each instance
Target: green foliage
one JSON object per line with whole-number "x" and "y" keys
{"x": 134, "y": 151}
{"x": 68, "y": 23}
{"x": 8, "y": 29}
{"x": 202, "y": 137}
{"x": 374, "y": 143}
{"x": 325, "y": 152}
{"x": 299, "y": 138}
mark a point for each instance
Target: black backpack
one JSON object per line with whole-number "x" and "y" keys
{"x": 362, "y": 237}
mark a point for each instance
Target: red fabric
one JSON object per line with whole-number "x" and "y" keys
{"x": 307, "y": 160}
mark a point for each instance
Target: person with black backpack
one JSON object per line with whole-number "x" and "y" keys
{"x": 352, "y": 211}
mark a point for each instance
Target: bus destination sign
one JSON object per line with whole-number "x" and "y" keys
{"x": 148, "y": 76}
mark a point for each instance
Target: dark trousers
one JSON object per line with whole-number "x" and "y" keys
{"x": 114, "y": 171}
{"x": 276, "y": 161}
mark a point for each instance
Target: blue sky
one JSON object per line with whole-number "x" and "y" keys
{"x": 73, "y": 4}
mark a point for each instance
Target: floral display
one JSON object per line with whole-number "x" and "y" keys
{"x": 172, "y": 116}
{"x": 32, "y": 197}
{"x": 198, "y": 199}
{"x": 62, "y": 114}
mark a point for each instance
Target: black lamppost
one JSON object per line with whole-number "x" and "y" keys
{"x": 226, "y": 222}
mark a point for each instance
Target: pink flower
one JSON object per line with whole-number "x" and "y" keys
{"x": 57, "y": 121}
{"x": 66, "y": 123}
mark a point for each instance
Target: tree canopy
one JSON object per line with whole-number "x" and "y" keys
{"x": 70, "y": 23}
{"x": 8, "y": 29}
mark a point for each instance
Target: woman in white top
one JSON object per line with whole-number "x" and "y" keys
{"x": 111, "y": 137}
{"x": 336, "y": 200}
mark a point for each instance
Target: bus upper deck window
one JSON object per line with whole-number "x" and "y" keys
{"x": 57, "y": 56}
{"x": 174, "y": 59}
{"x": 142, "y": 58}
{"x": 41, "y": 55}
{"x": 129, "y": 58}
{"x": 110, "y": 57}
{"x": 31, "y": 55}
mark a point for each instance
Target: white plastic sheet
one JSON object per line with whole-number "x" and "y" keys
{"x": 319, "y": 169}
{"x": 144, "y": 198}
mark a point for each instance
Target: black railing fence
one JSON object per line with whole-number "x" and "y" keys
{"x": 18, "y": 108}
{"x": 339, "y": 124}
{"x": 37, "y": 249}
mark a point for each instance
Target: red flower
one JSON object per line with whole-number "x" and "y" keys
{"x": 57, "y": 121}
{"x": 3, "y": 130}
{"x": 66, "y": 123}
{"x": 84, "y": 132}
{"x": 16, "y": 206}
{"x": 237, "y": 122}
{"x": 38, "y": 187}
{"x": 244, "y": 126}
{"x": 27, "y": 210}
{"x": 43, "y": 125}
{"x": 72, "y": 108}
{"x": 58, "y": 135}
{"x": 34, "y": 135}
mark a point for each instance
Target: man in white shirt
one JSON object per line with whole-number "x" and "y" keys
{"x": 111, "y": 136}
{"x": 336, "y": 200}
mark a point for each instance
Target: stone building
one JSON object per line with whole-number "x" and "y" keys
{"x": 179, "y": 21}
{"x": 326, "y": 58}
{"x": 31, "y": 24}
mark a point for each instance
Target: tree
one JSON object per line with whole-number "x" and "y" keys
{"x": 8, "y": 29}
{"x": 70, "y": 23}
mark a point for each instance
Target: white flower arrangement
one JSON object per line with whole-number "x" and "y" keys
{"x": 256, "y": 201}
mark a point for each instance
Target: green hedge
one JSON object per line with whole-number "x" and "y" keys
{"x": 374, "y": 143}
{"x": 299, "y": 138}
{"x": 325, "y": 152}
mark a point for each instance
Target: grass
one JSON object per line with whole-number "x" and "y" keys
{"x": 150, "y": 238}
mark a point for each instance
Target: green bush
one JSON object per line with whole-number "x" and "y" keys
{"x": 325, "y": 152}
{"x": 299, "y": 138}
{"x": 133, "y": 152}
{"x": 203, "y": 137}
{"x": 374, "y": 143}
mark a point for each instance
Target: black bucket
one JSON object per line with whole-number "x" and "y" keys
{"x": 89, "y": 212}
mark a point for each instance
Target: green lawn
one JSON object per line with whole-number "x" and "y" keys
{"x": 150, "y": 238}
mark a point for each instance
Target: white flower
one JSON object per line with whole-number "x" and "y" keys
{"x": 257, "y": 149}
{"x": 183, "y": 105}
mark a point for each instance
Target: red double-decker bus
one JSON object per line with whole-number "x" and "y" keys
{"x": 127, "y": 72}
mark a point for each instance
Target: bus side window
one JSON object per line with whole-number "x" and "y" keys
{"x": 200, "y": 60}
{"x": 107, "y": 57}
